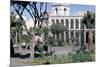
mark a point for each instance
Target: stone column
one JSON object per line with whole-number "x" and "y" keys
{"x": 55, "y": 34}
{"x": 59, "y": 33}
{"x": 79, "y": 32}
{"x": 74, "y": 31}
{"x": 69, "y": 36}
{"x": 85, "y": 37}
{"x": 79, "y": 24}
{"x": 74, "y": 37}
{"x": 69, "y": 23}
{"x": 79, "y": 38}
{"x": 69, "y": 30}
{"x": 59, "y": 36}
{"x": 74, "y": 23}
{"x": 64, "y": 32}
{"x": 64, "y": 36}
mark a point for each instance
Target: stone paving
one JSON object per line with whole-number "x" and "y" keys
{"x": 57, "y": 50}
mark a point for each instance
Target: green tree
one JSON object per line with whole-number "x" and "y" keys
{"x": 37, "y": 15}
{"x": 57, "y": 28}
{"x": 45, "y": 30}
{"x": 15, "y": 30}
{"x": 89, "y": 22}
{"x": 26, "y": 38}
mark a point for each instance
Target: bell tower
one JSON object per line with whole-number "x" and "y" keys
{"x": 60, "y": 9}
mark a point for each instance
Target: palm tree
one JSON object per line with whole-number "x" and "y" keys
{"x": 16, "y": 28}
{"x": 15, "y": 31}
{"x": 89, "y": 22}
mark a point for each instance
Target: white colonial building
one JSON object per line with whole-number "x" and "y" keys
{"x": 60, "y": 13}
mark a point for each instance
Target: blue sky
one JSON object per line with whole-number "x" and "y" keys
{"x": 74, "y": 8}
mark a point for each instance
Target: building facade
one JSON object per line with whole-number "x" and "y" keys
{"x": 76, "y": 32}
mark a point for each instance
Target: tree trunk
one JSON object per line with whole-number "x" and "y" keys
{"x": 90, "y": 39}
{"x": 11, "y": 48}
{"x": 32, "y": 46}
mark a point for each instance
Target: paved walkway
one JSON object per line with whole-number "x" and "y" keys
{"x": 14, "y": 62}
{"x": 58, "y": 51}
{"x": 64, "y": 50}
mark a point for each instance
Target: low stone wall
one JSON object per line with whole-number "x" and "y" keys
{"x": 63, "y": 50}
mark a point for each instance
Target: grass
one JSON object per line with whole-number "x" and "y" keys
{"x": 70, "y": 58}
{"x": 83, "y": 56}
{"x": 51, "y": 60}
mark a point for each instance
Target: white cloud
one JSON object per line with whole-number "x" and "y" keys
{"x": 29, "y": 23}
{"x": 80, "y": 13}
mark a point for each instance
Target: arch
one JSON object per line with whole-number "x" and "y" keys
{"x": 71, "y": 23}
{"x": 62, "y": 21}
{"x": 53, "y": 21}
{"x": 67, "y": 23}
{"x": 57, "y": 20}
{"x": 76, "y": 23}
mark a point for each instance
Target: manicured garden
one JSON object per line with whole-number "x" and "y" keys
{"x": 80, "y": 56}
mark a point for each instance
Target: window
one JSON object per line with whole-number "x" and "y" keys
{"x": 72, "y": 34}
{"x": 77, "y": 23}
{"x": 53, "y": 21}
{"x": 57, "y": 21}
{"x": 67, "y": 23}
{"x": 56, "y": 10}
{"x": 62, "y": 21}
{"x": 64, "y": 9}
{"x": 62, "y": 36}
{"x": 67, "y": 37}
{"x": 77, "y": 37}
{"x": 72, "y": 24}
